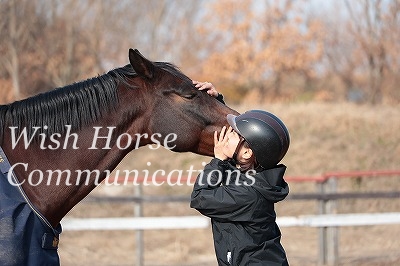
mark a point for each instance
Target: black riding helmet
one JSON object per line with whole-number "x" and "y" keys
{"x": 265, "y": 133}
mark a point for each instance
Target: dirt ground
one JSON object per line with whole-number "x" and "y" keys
{"x": 324, "y": 137}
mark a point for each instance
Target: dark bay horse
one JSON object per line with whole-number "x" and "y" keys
{"x": 91, "y": 125}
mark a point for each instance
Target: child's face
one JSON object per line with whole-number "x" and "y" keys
{"x": 231, "y": 144}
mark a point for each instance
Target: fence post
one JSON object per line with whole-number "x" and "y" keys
{"x": 328, "y": 236}
{"x": 138, "y": 210}
{"x": 332, "y": 234}
{"x": 322, "y": 230}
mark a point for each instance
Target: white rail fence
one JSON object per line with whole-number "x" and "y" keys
{"x": 189, "y": 222}
{"x": 328, "y": 221}
{"x": 328, "y": 254}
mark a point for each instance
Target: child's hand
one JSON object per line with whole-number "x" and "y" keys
{"x": 207, "y": 86}
{"x": 219, "y": 143}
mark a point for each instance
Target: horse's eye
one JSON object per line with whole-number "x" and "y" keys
{"x": 189, "y": 96}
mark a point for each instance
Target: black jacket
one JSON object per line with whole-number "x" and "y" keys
{"x": 241, "y": 209}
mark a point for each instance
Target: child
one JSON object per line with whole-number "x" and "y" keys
{"x": 239, "y": 187}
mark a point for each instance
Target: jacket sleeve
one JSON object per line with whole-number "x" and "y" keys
{"x": 223, "y": 202}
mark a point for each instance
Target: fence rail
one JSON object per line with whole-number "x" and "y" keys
{"x": 294, "y": 196}
{"x": 191, "y": 178}
{"x": 190, "y": 222}
{"x": 327, "y": 219}
{"x": 135, "y": 223}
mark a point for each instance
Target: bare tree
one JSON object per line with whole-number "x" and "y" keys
{"x": 163, "y": 29}
{"x": 367, "y": 27}
{"x": 272, "y": 46}
{"x": 339, "y": 60}
{"x": 14, "y": 37}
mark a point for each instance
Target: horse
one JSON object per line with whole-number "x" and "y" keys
{"x": 79, "y": 133}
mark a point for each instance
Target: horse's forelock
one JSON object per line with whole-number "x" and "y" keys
{"x": 173, "y": 70}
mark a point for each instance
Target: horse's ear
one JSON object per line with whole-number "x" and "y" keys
{"x": 142, "y": 66}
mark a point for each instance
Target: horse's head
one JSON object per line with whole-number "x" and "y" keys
{"x": 90, "y": 125}
{"x": 177, "y": 107}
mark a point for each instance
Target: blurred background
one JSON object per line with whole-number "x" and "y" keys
{"x": 292, "y": 50}
{"x": 328, "y": 68}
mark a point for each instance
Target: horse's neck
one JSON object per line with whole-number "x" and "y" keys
{"x": 96, "y": 151}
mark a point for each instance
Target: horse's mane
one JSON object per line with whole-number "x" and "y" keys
{"x": 78, "y": 104}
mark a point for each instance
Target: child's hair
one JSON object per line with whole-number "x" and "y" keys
{"x": 250, "y": 163}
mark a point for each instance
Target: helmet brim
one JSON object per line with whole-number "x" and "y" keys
{"x": 232, "y": 122}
